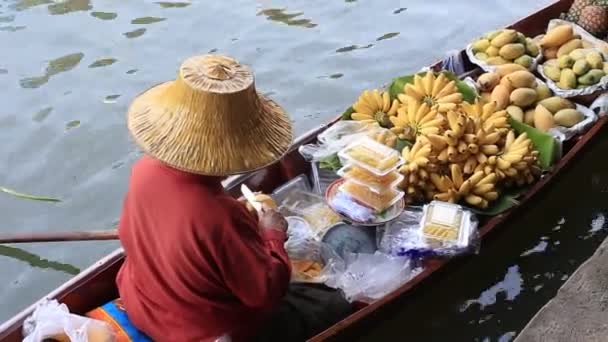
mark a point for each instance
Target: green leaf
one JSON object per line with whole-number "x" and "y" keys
{"x": 347, "y": 113}
{"x": 401, "y": 144}
{"x": 546, "y": 144}
{"x": 506, "y": 201}
{"x": 468, "y": 93}
{"x": 330, "y": 163}
{"x": 26, "y": 196}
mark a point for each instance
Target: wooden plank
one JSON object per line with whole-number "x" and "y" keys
{"x": 579, "y": 311}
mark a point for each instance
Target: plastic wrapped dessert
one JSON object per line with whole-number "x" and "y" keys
{"x": 372, "y": 156}
{"x": 445, "y": 222}
{"x": 364, "y": 177}
{"x": 377, "y": 201}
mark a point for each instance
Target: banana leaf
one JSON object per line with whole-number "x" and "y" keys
{"x": 507, "y": 200}
{"x": 347, "y": 113}
{"x": 468, "y": 94}
{"x": 27, "y": 196}
{"x": 544, "y": 143}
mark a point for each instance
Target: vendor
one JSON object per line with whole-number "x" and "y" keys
{"x": 199, "y": 265}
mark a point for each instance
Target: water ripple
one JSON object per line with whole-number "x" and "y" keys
{"x": 54, "y": 67}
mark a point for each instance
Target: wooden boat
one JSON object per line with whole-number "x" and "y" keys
{"x": 96, "y": 285}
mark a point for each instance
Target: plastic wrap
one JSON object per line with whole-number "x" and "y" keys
{"x": 322, "y": 178}
{"x": 307, "y": 253}
{"x": 454, "y": 62}
{"x": 567, "y": 93}
{"x": 335, "y": 138}
{"x": 298, "y": 183}
{"x": 312, "y": 208}
{"x": 600, "y": 105}
{"x": 52, "y": 320}
{"x": 372, "y": 156}
{"x": 359, "y": 214}
{"x": 406, "y": 236}
{"x": 369, "y": 277}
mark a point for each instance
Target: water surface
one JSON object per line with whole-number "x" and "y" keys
{"x": 70, "y": 68}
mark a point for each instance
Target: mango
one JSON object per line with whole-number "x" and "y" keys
{"x": 592, "y": 77}
{"x": 550, "y": 53}
{"x": 565, "y": 62}
{"x": 507, "y": 84}
{"x": 552, "y": 72}
{"x": 569, "y": 47}
{"x": 521, "y": 38}
{"x": 521, "y": 79}
{"x": 577, "y": 54}
{"x": 491, "y": 35}
{"x": 587, "y": 44}
{"x": 595, "y": 60}
{"x": 504, "y": 38}
{"x": 482, "y": 56}
{"x": 557, "y": 36}
{"x": 532, "y": 48}
{"x": 496, "y": 60}
{"x": 500, "y": 95}
{"x": 543, "y": 119}
{"x": 542, "y": 92}
{"x": 525, "y": 61}
{"x": 523, "y": 97}
{"x": 529, "y": 117}
{"x": 516, "y": 113}
{"x": 581, "y": 67}
{"x": 485, "y": 97}
{"x": 568, "y": 117}
{"x": 504, "y": 70}
{"x": 481, "y": 45}
{"x": 487, "y": 81}
{"x": 512, "y": 51}
{"x": 555, "y": 103}
{"x": 606, "y": 68}
{"x": 552, "y": 62}
{"x": 567, "y": 79}
{"x": 492, "y": 51}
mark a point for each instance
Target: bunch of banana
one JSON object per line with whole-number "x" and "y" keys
{"x": 487, "y": 116}
{"x": 478, "y": 190}
{"x": 417, "y": 169}
{"x": 384, "y": 136}
{"x": 519, "y": 161}
{"x": 433, "y": 90}
{"x": 375, "y": 105}
{"x": 416, "y": 118}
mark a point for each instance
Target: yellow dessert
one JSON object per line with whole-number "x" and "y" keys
{"x": 377, "y": 201}
{"x": 364, "y": 176}
{"x": 374, "y": 159}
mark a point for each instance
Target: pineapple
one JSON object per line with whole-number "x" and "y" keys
{"x": 576, "y": 9}
{"x": 594, "y": 19}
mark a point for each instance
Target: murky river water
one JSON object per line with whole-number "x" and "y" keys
{"x": 69, "y": 69}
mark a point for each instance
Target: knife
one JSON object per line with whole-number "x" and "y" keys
{"x": 250, "y": 197}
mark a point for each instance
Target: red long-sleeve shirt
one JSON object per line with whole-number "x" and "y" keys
{"x": 197, "y": 266}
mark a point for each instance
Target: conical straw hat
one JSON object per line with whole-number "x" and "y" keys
{"x": 210, "y": 120}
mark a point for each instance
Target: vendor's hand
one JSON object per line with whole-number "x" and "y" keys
{"x": 272, "y": 219}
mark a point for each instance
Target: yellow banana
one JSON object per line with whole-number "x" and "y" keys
{"x": 360, "y": 116}
{"x": 456, "y": 175}
{"x": 440, "y": 82}
{"x": 502, "y": 164}
{"x": 386, "y": 102}
{"x": 489, "y": 149}
{"x": 483, "y": 188}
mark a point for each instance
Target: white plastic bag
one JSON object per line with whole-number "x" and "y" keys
{"x": 579, "y": 128}
{"x": 368, "y": 277}
{"x": 54, "y": 320}
{"x": 487, "y": 67}
{"x": 600, "y": 105}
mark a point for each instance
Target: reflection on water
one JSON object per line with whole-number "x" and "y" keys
{"x": 104, "y": 15}
{"x": 36, "y": 261}
{"x": 164, "y": 4}
{"x": 135, "y": 33}
{"x": 7, "y": 19}
{"x": 56, "y": 66}
{"x": 3, "y": 71}
{"x": 510, "y": 286}
{"x": 11, "y": 28}
{"x": 279, "y": 15}
{"x": 146, "y": 20}
{"x": 103, "y": 62}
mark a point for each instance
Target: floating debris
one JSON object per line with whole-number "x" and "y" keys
{"x": 104, "y": 15}
{"x": 131, "y": 71}
{"x": 353, "y": 47}
{"x": 166, "y": 4}
{"x": 54, "y": 67}
{"x": 72, "y": 124}
{"x": 42, "y": 114}
{"x": 399, "y": 10}
{"x": 69, "y": 6}
{"x": 36, "y": 261}
{"x": 279, "y": 15}
{"x": 28, "y": 196}
{"x": 147, "y": 20}
{"x": 12, "y": 28}
{"x": 135, "y": 33}
{"x": 111, "y": 98}
{"x": 103, "y": 62}
{"x": 387, "y": 36}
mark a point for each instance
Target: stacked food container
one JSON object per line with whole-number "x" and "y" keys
{"x": 370, "y": 174}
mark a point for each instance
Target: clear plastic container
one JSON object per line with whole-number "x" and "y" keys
{"x": 377, "y": 201}
{"x": 372, "y": 156}
{"x": 298, "y": 183}
{"x": 377, "y": 184}
{"x": 310, "y": 207}
{"x": 445, "y": 222}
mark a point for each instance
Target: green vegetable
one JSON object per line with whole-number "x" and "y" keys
{"x": 330, "y": 163}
